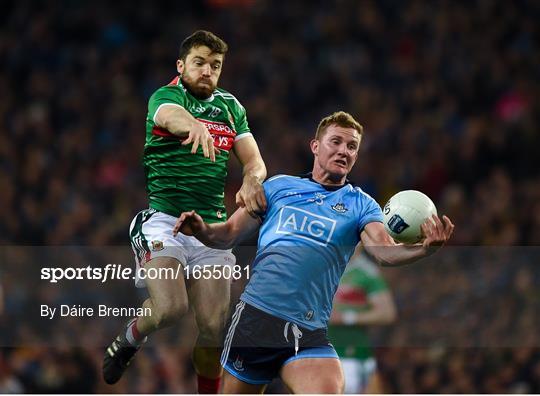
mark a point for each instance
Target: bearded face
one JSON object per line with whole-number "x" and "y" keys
{"x": 200, "y": 71}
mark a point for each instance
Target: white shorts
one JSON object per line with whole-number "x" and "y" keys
{"x": 357, "y": 373}
{"x": 151, "y": 235}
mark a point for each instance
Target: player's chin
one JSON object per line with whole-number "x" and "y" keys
{"x": 203, "y": 91}
{"x": 340, "y": 170}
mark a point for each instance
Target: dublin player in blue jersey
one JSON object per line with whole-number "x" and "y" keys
{"x": 307, "y": 235}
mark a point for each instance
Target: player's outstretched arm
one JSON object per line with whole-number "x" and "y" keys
{"x": 181, "y": 123}
{"x": 251, "y": 194}
{"x": 385, "y": 251}
{"x": 218, "y": 235}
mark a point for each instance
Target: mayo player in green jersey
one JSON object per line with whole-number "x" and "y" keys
{"x": 191, "y": 128}
{"x": 362, "y": 299}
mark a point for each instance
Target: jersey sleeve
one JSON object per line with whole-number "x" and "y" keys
{"x": 170, "y": 94}
{"x": 269, "y": 192}
{"x": 273, "y": 185}
{"x": 240, "y": 120}
{"x": 242, "y": 124}
{"x": 271, "y": 188}
{"x": 370, "y": 212}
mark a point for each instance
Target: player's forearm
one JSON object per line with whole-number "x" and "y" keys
{"x": 222, "y": 235}
{"x": 398, "y": 254}
{"x": 217, "y": 236}
{"x": 385, "y": 251}
{"x": 255, "y": 168}
{"x": 176, "y": 120}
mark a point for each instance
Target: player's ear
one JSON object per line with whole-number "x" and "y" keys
{"x": 314, "y": 146}
{"x": 180, "y": 66}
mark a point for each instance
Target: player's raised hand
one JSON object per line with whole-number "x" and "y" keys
{"x": 189, "y": 223}
{"x": 435, "y": 232}
{"x": 251, "y": 196}
{"x": 199, "y": 135}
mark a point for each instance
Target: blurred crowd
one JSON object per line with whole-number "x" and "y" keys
{"x": 445, "y": 91}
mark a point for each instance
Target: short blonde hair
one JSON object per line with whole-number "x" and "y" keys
{"x": 340, "y": 118}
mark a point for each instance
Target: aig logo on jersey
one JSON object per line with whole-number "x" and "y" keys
{"x": 305, "y": 225}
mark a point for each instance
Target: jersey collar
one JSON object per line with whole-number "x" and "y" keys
{"x": 327, "y": 188}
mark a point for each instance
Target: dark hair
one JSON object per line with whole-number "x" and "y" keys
{"x": 200, "y": 38}
{"x": 339, "y": 118}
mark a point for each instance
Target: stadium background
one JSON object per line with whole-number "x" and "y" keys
{"x": 445, "y": 90}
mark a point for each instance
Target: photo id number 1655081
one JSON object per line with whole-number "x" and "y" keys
{"x": 216, "y": 272}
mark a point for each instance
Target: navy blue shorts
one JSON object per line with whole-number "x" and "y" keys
{"x": 258, "y": 345}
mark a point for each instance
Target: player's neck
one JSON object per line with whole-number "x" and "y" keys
{"x": 326, "y": 179}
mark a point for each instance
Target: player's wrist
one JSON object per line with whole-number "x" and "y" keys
{"x": 196, "y": 125}
{"x": 252, "y": 178}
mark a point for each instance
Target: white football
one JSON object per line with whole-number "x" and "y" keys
{"x": 405, "y": 212}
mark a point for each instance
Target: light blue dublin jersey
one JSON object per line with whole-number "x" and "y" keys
{"x": 307, "y": 237}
